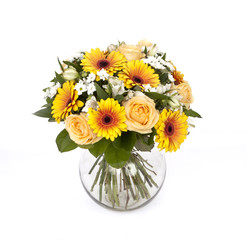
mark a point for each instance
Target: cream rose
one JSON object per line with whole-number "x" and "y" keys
{"x": 185, "y": 92}
{"x": 79, "y": 130}
{"x": 141, "y": 114}
{"x": 144, "y": 43}
{"x": 131, "y": 52}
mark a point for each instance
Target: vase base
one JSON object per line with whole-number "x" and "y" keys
{"x": 128, "y": 188}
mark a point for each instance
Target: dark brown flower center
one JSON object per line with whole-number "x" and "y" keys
{"x": 169, "y": 129}
{"x": 137, "y": 79}
{"x": 107, "y": 119}
{"x": 68, "y": 101}
{"x": 103, "y": 63}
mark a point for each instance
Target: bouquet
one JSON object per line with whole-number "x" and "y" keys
{"x": 116, "y": 104}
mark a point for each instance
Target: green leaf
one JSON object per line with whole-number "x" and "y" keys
{"x": 78, "y": 68}
{"x": 162, "y": 71}
{"x": 151, "y": 137}
{"x": 64, "y": 143}
{"x": 59, "y": 78}
{"x": 109, "y": 89}
{"x": 101, "y": 92}
{"x": 46, "y": 105}
{"x": 61, "y": 66}
{"x": 44, "y": 90}
{"x": 45, "y": 113}
{"x": 99, "y": 147}
{"x": 142, "y": 143}
{"x": 145, "y": 51}
{"x": 50, "y": 100}
{"x": 191, "y": 113}
{"x": 119, "y": 98}
{"x": 87, "y": 146}
{"x": 137, "y": 88}
{"x": 157, "y": 96}
{"x": 126, "y": 141}
{"x": 116, "y": 157}
{"x": 164, "y": 57}
{"x": 164, "y": 78}
{"x": 84, "y": 74}
{"x": 51, "y": 120}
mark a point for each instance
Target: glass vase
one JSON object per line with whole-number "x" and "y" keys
{"x": 127, "y": 188}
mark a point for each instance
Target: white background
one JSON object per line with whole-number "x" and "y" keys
{"x": 205, "y": 192}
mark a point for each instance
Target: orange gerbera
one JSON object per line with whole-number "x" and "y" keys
{"x": 178, "y": 76}
{"x": 138, "y": 73}
{"x": 97, "y": 60}
{"x": 65, "y": 101}
{"x": 171, "y": 130}
{"x": 109, "y": 120}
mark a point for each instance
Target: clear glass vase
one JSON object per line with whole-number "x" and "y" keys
{"x": 127, "y": 188}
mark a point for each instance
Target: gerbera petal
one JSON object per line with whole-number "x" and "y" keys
{"x": 171, "y": 130}
{"x": 109, "y": 119}
{"x": 112, "y": 63}
{"x": 136, "y": 72}
{"x": 65, "y": 101}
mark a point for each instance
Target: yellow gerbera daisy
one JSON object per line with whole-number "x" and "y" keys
{"x": 136, "y": 72}
{"x": 97, "y": 60}
{"x": 65, "y": 101}
{"x": 109, "y": 120}
{"x": 171, "y": 130}
{"x": 177, "y": 75}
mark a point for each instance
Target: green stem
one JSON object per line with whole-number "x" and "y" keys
{"x": 142, "y": 185}
{"x": 108, "y": 186}
{"x": 94, "y": 165}
{"x": 128, "y": 183}
{"x": 146, "y": 162}
{"x": 138, "y": 186}
{"x": 139, "y": 166}
{"x": 135, "y": 185}
{"x": 97, "y": 177}
{"x": 127, "y": 193}
{"x": 115, "y": 189}
{"x": 102, "y": 177}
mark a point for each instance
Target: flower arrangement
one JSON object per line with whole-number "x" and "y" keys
{"x": 118, "y": 102}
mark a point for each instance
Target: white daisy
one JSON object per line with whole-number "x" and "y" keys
{"x": 103, "y": 74}
{"x": 52, "y": 91}
{"x": 158, "y": 63}
{"x": 148, "y": 88}
{"x": 154, "y": 62}
{"x": 77, "y": 55}
{"x": 169, "y": 65}
{"x": 90, "y": 78}
{"x": 46, "y": 93}
{"x": 80, "y": 87}
{"x": 170, "y": 77}
{"x": 90, "y": 88}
